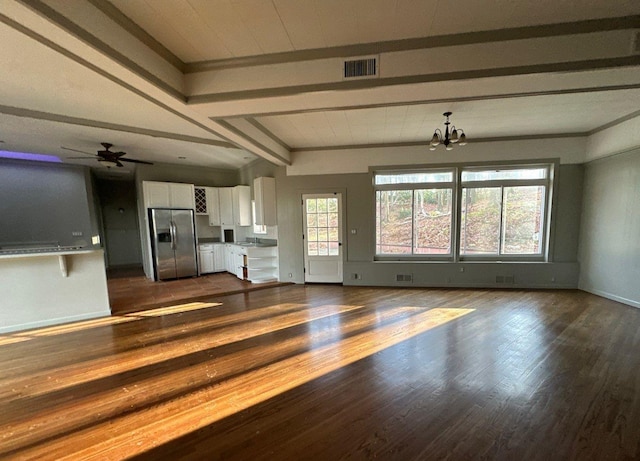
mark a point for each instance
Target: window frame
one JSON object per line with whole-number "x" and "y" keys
{"x": 457, "y": 186}
{"x": 449, "y": 185}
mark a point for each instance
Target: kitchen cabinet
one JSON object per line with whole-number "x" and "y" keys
{"x": 168, "y": 195}
{"x": 241, "y": 199}
{"x": 201, "y": 200}
{"x": 211, "y": 257}
{"x": 254, "y": 263}
{"x": 205, "y": 258}
{"x": 262, "y": 264}
{"x": 213, "y": 205}
{"x": 264, "y": 193}
{"x": 225, "y": 195}
{"x": 218, "y": 258}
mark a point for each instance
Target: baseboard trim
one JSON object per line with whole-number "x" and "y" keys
{"x": 53, "y": 322}
{"x": 611, "y": 296}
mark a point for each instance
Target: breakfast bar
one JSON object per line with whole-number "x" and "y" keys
{"x": 49, "y": 286}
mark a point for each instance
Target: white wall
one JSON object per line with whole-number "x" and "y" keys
{"x": 36, "y": 294}
{"x": 609, "y": 251}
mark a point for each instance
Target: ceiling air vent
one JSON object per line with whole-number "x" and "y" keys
{"x": 366, "y": 67}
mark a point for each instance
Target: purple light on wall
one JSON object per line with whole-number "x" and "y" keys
{"x": 29, "y": 156}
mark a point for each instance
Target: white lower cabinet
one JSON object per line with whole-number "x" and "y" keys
{"x": 253, "y": 263}
{"x": 262, "y": 264}
{"x": 211, "y": 256}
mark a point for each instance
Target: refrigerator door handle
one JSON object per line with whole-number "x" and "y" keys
{"x": 172, "y": 227}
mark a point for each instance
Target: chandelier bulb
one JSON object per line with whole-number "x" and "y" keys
{"x": 435, "y": 140}
{"x": 454, "y": 135}
{"x": 463, "y": 140}
{"x": 449, "y": 147}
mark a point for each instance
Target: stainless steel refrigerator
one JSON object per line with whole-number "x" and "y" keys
{"x": 173, "y": 242}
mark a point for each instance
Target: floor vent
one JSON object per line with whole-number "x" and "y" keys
{"x": 404, "y": 278}
{"x": 366, "y": 67}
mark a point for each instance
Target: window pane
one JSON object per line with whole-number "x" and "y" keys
{"x": 312, "y": 248}
{"x": 333, "y": 249}
{"x": 432, "y": 214}
{"x": 480, "y": 223}
{"x": 311, "y": 205}
{"x": 523, "y": 220}
{"x": 394, "y": 221}
{"x": 333, "y": 234}
{"x": 412, "y": 178}
{"x": 323, "y": 249}
{"x": 312, "y": 220}
{"x": 322, "y": 234}
{"x": 313, "y": 234}
{"x": 322, "y": 205}
{"x": 492, "y": 175}
{"x": 332, "y": 205}
{"x": 322, "y": 220}
{"x": 333, "y": 219}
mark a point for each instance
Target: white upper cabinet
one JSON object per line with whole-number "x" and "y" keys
{"x": 264, "y": 192}
{"x": 213, "y": 205}
{"x": 168, "y": 195}
{"x": 225, "y": 196}
{"x": 241, "y": 197}
{"x": 201, "y": 200}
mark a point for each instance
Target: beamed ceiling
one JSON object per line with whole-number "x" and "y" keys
{"x": 221, "y": 83}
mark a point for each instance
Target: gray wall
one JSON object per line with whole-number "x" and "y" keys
{"x": 358, "y": 205}
{"x": 609, "y": 252}
{"x": 120, "y": 222}
{"x": 41, "y": 202}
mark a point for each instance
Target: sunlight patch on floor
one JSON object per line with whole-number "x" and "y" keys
{"x": 206, "y": 406}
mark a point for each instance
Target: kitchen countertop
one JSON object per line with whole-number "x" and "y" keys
{"x": 47, "y": 251}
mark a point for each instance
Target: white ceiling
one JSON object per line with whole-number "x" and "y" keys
{"x": 93, "y": 71}
{"x": 203, "y": 30}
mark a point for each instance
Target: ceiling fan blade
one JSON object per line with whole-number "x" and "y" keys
{"x": 81, "y": 158}
{"x": 131, "y": 160}
{"x": 76, "y": 150}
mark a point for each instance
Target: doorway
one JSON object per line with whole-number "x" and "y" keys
{"x": 322, "y": 234}
{"x": 119, "y": 214}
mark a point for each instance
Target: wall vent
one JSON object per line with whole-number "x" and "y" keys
{"x": 404, "y": 278}
{"x": 365, "y": 67}
{"x": 505, "y": 279}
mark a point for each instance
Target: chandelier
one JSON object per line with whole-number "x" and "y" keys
{"x": 449, "y": 138}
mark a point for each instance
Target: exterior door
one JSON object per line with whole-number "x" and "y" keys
{"x": 322, "y": 225}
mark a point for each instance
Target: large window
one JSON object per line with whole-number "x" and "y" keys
{"x": 414, "y": 213}
{"x": 502, "y": 212}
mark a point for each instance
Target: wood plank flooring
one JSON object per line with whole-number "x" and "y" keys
{"x": 328, "y": 373}
{"x": 130, "y": 290}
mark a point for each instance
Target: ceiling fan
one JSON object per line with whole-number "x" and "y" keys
{"x": 107, "y": 157}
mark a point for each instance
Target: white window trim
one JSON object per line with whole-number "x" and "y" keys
{"x": 457, "y": 185}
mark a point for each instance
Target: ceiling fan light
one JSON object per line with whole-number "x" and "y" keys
{"x": 432, "y": 148}
{"x": 463, "y": 140}
{"x": 449, "y": 147}
{"x": 435, "y": 140}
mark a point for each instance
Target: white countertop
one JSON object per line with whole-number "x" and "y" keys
{"x": 32, "y": 252}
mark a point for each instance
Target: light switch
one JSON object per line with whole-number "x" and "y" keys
{"x": 354, "y": 231}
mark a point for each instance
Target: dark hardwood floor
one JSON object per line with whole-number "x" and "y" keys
{"x": 130, "y": 290}
{"x": 329, "y": 372}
